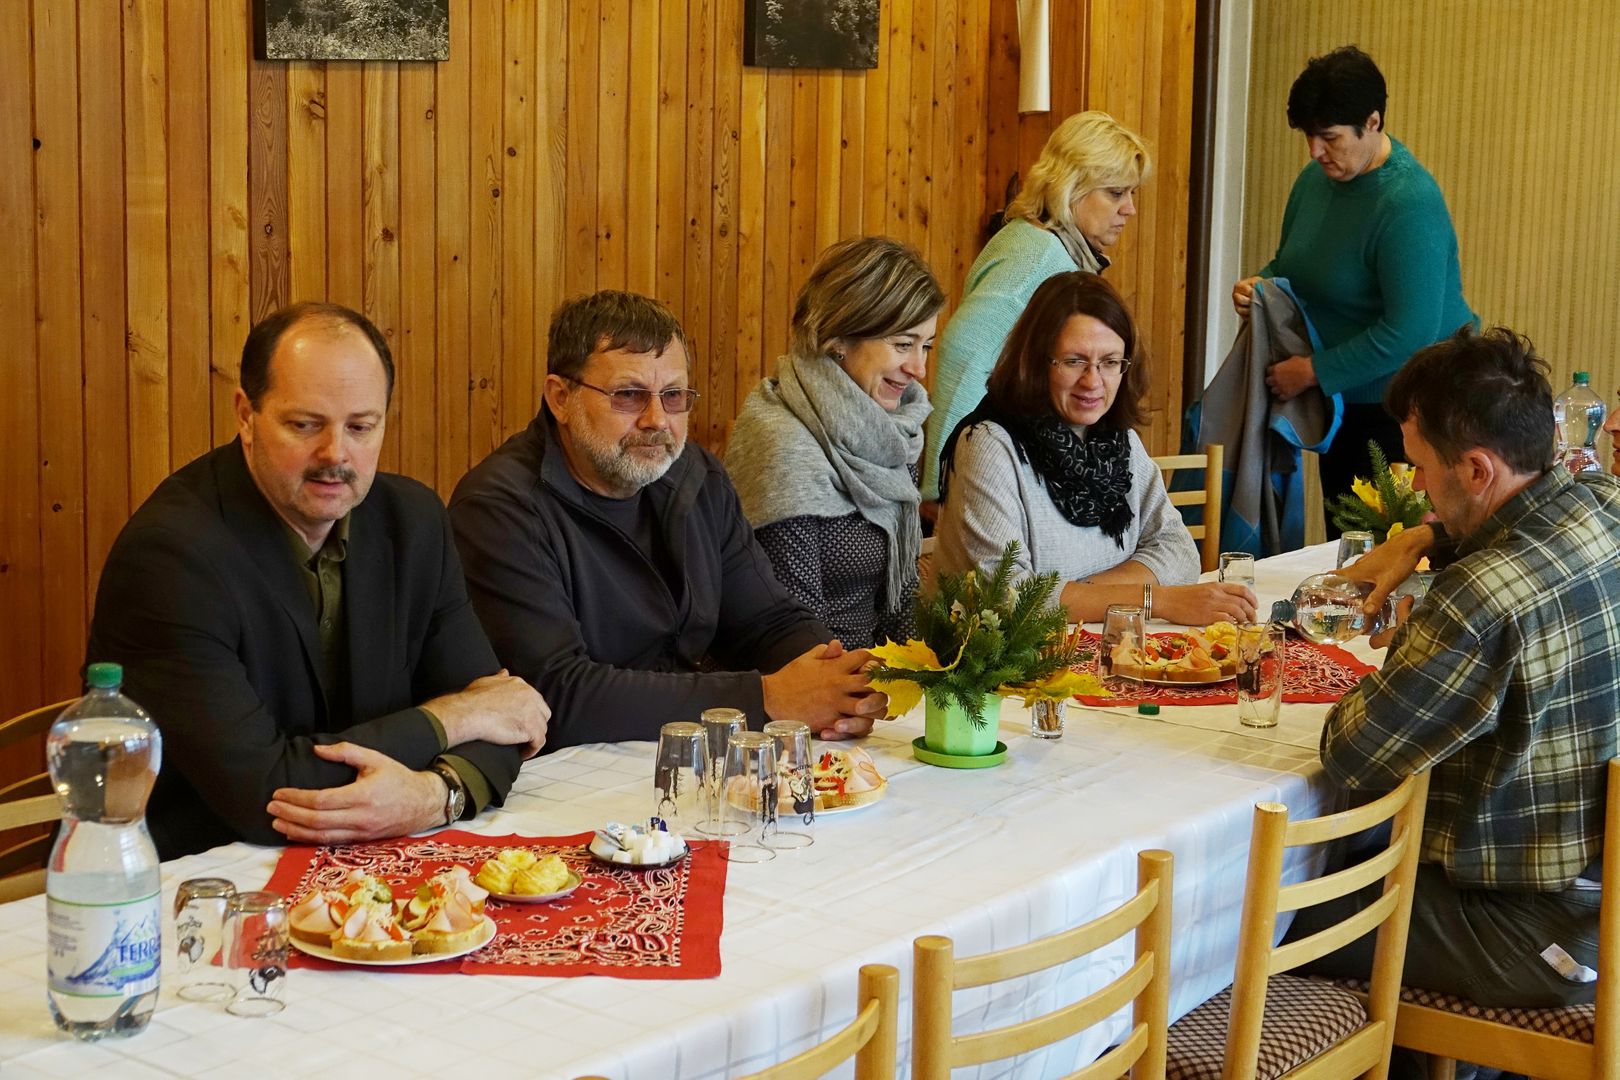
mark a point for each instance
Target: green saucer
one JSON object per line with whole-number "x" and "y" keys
{"x": 958, "y": 761}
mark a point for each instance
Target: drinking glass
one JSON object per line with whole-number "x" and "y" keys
{"x": 749, "y": 786}
{"x": 1237, "y": 567}
{"x": 680, "y": 789}
{"x": 719, "y": 725}
{"x": 1352, "y": 546}
{"x": 795, "y": 767}
{"x": 256, "y": 953}
{"x": 199, "y": 928}
{"x": 1123, "y": 625}
{"x": 1046, "y": 718}
{"x": 1259, "y": 674}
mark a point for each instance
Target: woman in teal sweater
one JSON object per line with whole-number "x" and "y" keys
{"x": 1368, "y": 246}
{"x": 1074, "y": 205}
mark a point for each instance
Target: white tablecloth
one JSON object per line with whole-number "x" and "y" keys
{"x": 991, "y": 858}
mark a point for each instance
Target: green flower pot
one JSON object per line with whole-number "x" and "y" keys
{"x": 951, "y": 731}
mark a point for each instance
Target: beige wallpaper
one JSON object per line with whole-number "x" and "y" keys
{"x": 1514, "y": 106}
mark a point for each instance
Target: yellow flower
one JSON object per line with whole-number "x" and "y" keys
{"x": 1058, "y": 686}
{"x": 1367, "y": 492}
{"x": 914, "y": 655}
{"x": 1395, "y": 529}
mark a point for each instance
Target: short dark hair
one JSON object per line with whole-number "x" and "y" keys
{"x": 264, "y": 338}
{"x": 608, "y": 320}
{"x": 1478, "y": 390}
{"x": 1343, "y": 87}
{"x": 1021, "y": 384}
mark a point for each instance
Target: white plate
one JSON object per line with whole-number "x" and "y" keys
{"x": 574, "y": 882}
{"x": 325, "y": 951}
{"x": 852, "y": 807}
{"x": 1178, "y": 682}
{"x": 638, "y": 865}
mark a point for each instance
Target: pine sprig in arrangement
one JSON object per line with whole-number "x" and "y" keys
{"x": 1384, "y": 505}
{"x": 978, "y": 635}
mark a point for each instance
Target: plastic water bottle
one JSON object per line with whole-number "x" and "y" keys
{"x": 1579, "y": 413}
{"x": 101, "y": 888}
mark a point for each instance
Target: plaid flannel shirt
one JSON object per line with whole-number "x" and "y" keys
{"x": 1505, "y": 682}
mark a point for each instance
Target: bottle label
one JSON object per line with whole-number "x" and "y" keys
{"x": 104, "y": 950}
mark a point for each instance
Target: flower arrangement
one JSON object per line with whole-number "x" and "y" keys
{"x": 1383, "y": 505}
{"x": 1001, "y": 637}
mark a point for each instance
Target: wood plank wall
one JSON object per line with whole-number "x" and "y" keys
{"x": 176, "y": 190}
{"x": 1502, "y": 103}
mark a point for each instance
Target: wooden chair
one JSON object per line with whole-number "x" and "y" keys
{"x": 1283, "y": 1025}
{"x": 1581, "y": 1042}
{"x": 1211, "y": 461}
{"x": 29, "y": 801}
{"x": 870, "y": 1038}
{"x": 935, "y": 1051}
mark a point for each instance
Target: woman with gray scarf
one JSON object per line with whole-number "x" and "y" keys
{"x": 824, "y": 454}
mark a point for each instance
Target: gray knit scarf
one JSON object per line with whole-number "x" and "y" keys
{"x": 1078, "y": 247}
{"x": 820, "y": 446}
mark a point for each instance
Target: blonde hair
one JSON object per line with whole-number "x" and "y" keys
{"x": 864, "y": 287}
{"x": 1089, "y": 150}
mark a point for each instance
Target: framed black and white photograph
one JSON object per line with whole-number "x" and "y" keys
{"x": 352, "y": 29}
{"x": 810, "y": 33}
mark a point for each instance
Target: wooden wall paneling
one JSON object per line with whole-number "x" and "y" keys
{"x": 753, "y": 349}
{"x": 802, "y": 239}
{"x": 776, "y": 275}
{"x": 875, "y": 130}
{"x": 825, "y": 163}
{"x": 488, "y": 162}
{"x": 269, "y": 279}
{"x": 1001, "y": 115}
{"x": 84, "y": 405}
{"x": 551, "y": 181}
{"x": 696, "y": 310}
{"x": 146, "y": 247}
{"x": 723, "y": 349}
{"x": 345, "y": 184}
{"x": 920, "y": 125}
{"x": 306, "y": 180}
{"x": 517, "y": 397}
{"x": 22, "y": 644}
{"x": 452, "y": 242}
{"x": 584, "y": 77}
{"x": 642, "y": 134}
{"x": 379, "y": 210}
{"x": 415, "y": 385}
{"x": 672, "y": 152}
{"x": 851, "y": 152}
{"x": 975, "y": 198}
{"x": 190, "y": 433}
{"x": 897, "y": 220}
{"x": 944, "y": 139}
{"x": 613, "y": 138}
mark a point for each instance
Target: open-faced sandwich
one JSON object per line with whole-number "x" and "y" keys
{"x": 1187, "y": 656}
{"x": 370, "y": 928}
{"x": 362, "y": 920}
{"x": 322, "y": 913}
{"x": 446, "y": 914}
{"x": 846, "y": 777}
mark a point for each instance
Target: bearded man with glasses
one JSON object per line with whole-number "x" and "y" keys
{"x": 610, "y": 561}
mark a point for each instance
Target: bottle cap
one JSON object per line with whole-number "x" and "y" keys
{"x": 1583, "y": 378}
{"x": 1148, "y": 708}
{"x": 104, "y": 676}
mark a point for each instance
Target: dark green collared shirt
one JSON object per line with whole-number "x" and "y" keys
{"x": 322, "y": 574}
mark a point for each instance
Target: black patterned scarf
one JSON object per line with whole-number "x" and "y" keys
{"x": 1088, "y": 478}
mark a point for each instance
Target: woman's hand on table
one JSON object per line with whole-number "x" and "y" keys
{"x": 1204, "y": 603}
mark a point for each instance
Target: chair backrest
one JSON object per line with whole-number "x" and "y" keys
{"x": 29, "y": 801}
{"x": 1208, "y": 534}
{"x": 870, "y": 1038}
{"x": 1368, "y": 1047}
{"x": 935, "y": 1050}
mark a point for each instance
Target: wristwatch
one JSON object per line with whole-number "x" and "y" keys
{"x": 455, "y": 796}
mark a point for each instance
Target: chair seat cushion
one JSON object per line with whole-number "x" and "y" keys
{"x": 1573, "y": 1022}
{"x": 1303, "y": 1018}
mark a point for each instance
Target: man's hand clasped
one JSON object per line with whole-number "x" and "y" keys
{"x": 826, "y": 687}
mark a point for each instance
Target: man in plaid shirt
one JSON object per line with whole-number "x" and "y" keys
{"x": 1504, "y": 682}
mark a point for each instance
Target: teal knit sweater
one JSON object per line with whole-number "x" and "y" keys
{"x": 1374, "y": 260}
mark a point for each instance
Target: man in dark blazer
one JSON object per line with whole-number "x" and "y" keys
{"x": 297, "y": 624}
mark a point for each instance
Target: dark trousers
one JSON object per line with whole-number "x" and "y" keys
{"x": 1347, "y": 457}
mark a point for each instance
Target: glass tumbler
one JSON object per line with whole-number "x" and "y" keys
{"x": 680, "y": 777}
{"x": 199, "y": 929}
{"x": 795, "y": 769}
{"x": 1352, "y": 546}
{"x": 1236, "y": 567}
{"x": 719, "y": 725}
{"x": 749, "y": 785}
{"x": 256, "y": 953}
{"x": 1123, "y": 627}
{"x": 1259, "y": 674}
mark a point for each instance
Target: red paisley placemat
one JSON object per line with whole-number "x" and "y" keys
{"x": 631, "y": 924}
{"x": 1312, "y": 673}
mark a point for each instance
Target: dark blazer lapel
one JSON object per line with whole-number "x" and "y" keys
{"x": 368, "y": 605}
{"x": 261, "y": 534}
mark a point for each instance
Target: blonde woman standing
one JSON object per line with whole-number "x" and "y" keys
{"x": 824, "y": 453}
{"x": 1072, "y": 209}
